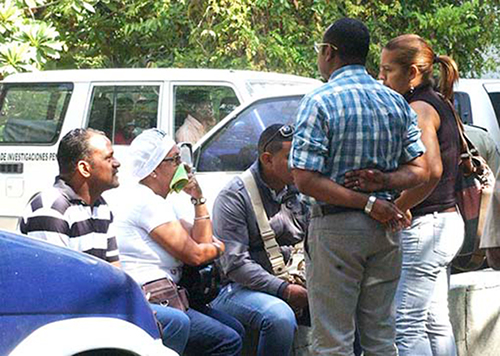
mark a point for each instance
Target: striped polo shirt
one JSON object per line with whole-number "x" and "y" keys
{"x": 59, "y": 216}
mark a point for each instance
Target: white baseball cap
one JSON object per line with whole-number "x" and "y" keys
{"x": 148, "y": 150}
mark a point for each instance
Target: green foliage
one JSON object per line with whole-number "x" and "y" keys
{"x": 268, "y": 35}
{"x": 26, "y": 41}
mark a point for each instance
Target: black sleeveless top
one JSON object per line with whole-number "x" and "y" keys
{"x": 443, "y": 195}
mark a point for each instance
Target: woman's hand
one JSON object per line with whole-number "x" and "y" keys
{"x": 366, "y": 180}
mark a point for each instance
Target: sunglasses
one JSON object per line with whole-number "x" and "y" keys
{"x": 285, "y": 131}
{"x": 176, "y": 159}
{"x": 317, "y": 46}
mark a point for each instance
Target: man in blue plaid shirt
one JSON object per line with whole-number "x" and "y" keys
{"x": 353, "y": 122}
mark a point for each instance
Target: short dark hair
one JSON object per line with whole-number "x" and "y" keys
{"x": 352, "y": 39}
{"x": 197, "y": 96}
{"x": 276, "y": 140}
{"x": 74, "y": 146}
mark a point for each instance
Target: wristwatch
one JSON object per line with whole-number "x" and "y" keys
{"x": 198, "y": 201}
{"x": 369, "y": 204}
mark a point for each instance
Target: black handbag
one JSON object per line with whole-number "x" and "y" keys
{"x": 201, "y": 282}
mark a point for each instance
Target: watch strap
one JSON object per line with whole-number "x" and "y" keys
{"x": 369, "y": 204}
{"x": 198, "y": 201}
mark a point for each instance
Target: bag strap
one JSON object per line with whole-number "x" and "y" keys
{"x": 267, "y": 234}
{"x": 467, "y": 149}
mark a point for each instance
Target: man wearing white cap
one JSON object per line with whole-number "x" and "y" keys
{"x": 155, "y": 242}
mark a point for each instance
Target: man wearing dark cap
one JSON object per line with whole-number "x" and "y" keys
{"x": 350, "y": 123}
{"x": 252, "y": 292}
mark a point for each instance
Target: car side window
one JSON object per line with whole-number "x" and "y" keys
{"x": 234, "y": 147}
{"x": 199, "y": 108}
{"x": 123, "y": 112}
{"x": 33, "y": 113}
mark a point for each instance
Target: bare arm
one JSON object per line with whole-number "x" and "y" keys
{"x": 201, "y": 229}
{"x": 417, "y": 178}
{"x": 175, "y": 239}
{"x": 406, "y": 176}
{"x": 429, "y": 122}
{"x": 325, "y": 190}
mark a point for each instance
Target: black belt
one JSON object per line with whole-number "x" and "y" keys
{"x": 322, "y": 210}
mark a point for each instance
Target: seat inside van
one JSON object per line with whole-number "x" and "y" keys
{"x": 30, "y": 131}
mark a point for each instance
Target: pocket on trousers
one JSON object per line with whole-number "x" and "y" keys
{"x": 441, "y": 238}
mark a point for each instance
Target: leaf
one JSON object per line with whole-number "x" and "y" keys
{"x": 31, "y": 3}
{"x": 88, "y": 7}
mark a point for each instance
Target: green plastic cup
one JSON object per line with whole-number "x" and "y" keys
{"x": 180, "y": 179}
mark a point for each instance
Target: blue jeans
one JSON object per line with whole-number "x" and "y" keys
{"x": 270, "y": 315}
{"x": 175, "y": 324}
{"x": 204, "y": 332}
{"x": 213, "y": 333}
{"x": 422, "y": 320}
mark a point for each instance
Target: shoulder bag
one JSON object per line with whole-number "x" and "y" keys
{"x": 474, "y": 187}
{"x": 292, "y": 272}
{"x": 165, "y": 292}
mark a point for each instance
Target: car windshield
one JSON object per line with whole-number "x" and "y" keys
{"x": 233, "y": 147}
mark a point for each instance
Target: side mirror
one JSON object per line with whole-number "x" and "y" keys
{"x": 186, "y": 153}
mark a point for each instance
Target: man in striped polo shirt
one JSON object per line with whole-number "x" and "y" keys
{"x": 72, "y": 212}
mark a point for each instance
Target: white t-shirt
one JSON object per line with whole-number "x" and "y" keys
{"x": 140, "y": 212}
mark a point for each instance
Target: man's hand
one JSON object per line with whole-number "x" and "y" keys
{"x": 366, "y": 180}
{"x": 296, "y": 296}
{"x": 399, "y": 224}
{"x": 192, "y": 187}
{"x": 389, "y": 214}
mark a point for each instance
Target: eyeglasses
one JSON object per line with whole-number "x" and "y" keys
{"x": 176, "y": 159}
{"x": 285, "y": 131}
{"x": 159, "y": 132}
{"x": 317, "y": 46}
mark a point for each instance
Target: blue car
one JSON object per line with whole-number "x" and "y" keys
{"x": 56, "y": 301}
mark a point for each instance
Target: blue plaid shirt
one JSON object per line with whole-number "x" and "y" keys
{"x": 354, "y": 122}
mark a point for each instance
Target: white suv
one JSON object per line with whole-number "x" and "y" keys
{"x": 37, "y": 109}
{"x": 478, "y": 102}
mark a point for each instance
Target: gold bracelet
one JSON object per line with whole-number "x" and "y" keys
{"x": 202, "y": 217}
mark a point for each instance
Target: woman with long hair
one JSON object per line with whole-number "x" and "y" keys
{"x": 437, "y": 230}
{"x": 436, "y": 234}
